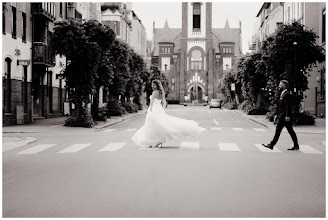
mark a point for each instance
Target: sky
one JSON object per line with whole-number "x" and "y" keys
{"x": 246, "y": 12}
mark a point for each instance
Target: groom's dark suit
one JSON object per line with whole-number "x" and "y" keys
{"x": 284, "y": 110}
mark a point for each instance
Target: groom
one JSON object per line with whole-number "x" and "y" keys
{"x": 283, "y": 114}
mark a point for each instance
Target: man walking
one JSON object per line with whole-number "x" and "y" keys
{"x": 283, "y": 115}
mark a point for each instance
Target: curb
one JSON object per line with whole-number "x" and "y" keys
{"x": 15, "y": 144}
{"x": 107, "y": 124}
{"x": 272, "y": 127}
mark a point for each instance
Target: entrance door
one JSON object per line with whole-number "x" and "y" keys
{"x": 37, "y": 94}
{"x": 200, "y": 95}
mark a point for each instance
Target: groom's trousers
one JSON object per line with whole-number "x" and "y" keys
{"x": 280, "y": 125}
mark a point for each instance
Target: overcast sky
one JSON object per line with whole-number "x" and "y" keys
{"x": 246, "y": 12}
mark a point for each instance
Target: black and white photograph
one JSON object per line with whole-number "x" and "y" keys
{"x": 173, "y": 109}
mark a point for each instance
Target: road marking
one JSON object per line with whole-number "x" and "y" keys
{"x": 238, "y": 129}
{"x": 113, "y": 147}
{"x": 7, "y": 146}
{"x": 148, "y": 148}
{"x": 216, "y": 128}
{"x": 259, "y": 129}
{"x": 74, "y": 148}
{"x": 215, "y": 122}
{"x": 264, "y": 149}
{"x": 108, "y": 130}
{"x": 309, "y": 150}
{"x": 209, "y": 111}
{"x": 189, "y": 145}
{"x": 323, "y": 142}
{"x": 131, "y": 129}
{"x": 37, "y": 149}
{"x": 55, "y": 126}
{"x": 228, "y": 147}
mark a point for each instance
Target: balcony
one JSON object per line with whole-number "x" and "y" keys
{"x": 45, "y": 9}
{"x": 42, "y": 54}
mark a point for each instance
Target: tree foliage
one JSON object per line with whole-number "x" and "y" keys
{"x": 290, "y": 53}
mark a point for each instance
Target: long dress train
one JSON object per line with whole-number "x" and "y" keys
{"x": 160, "y": 127}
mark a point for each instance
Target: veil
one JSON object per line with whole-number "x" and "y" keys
{"x": 163, "y": 92}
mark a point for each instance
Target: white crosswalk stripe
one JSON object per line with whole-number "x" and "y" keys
{"x": 259, "y": 129}
{"x": 309, "y": 150}
{"x": 228, "y": 147}
{"x": 215, "y": 122}
{"x": 37, "y": 149}
{"x": 113, "y": 147}
{"x": 216, "y": 128}
{"x": 74, "y": 148}
{"x": 131, "y": 129}
{"x": 117, "y": 146}
{"x": 109, "y": 130}
{"x": 238, "y": 129}
{"x": 189, "y": 145}
{"x": 264, "y": 149}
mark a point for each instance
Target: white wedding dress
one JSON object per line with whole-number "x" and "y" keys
{"x": 160, "y": 127}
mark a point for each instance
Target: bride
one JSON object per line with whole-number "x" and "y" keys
{"x": 160, "y": 127}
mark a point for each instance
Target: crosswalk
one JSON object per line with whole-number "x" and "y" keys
{"x": 184, "y": 145}
{"x": 211, "y": 128}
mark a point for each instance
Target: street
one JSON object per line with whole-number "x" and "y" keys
{"x": 225, "y": 172}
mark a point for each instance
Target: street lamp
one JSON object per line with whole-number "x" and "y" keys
{"x": 294, "y": 83}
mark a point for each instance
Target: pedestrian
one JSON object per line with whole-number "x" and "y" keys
{"x": 160, "y": 127}
{"x": 284, "y": 117}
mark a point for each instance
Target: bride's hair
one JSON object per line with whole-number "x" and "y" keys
{"x": 159, "y": 88}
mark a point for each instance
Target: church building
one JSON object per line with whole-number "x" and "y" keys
{"x": 195, "y": 56}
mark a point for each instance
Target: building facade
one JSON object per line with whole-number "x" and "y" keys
{"x": 16, "y": 63}
{"x": 195, "y": 56}
{"x": 116, "y": 15}
{"x": 33, "y": 86}
{"x": 313, "y": 16}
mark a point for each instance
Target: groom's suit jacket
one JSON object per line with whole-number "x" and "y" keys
{"x": 284, "y": 108}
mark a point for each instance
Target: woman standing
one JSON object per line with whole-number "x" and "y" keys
{"x": 160, "y": 127}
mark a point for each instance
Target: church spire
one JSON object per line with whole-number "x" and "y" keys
{"x": 227, "y": 24}
{"x": 166, "y": 24}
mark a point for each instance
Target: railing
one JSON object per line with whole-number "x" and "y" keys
{"x": 47, "y": 9}
{"x": 42, "y": 54}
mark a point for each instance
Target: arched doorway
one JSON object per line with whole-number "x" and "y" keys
{"x": 196, "y": 95}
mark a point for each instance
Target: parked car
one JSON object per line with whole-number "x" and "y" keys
{"x": 215, "y": 103}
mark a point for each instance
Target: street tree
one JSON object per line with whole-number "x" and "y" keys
{"x": 289, "y": 54}
{"x": 84, "y": 44}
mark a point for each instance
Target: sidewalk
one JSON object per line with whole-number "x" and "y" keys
{"x": 52, "y": 125}
{"x": 318, "y": 128}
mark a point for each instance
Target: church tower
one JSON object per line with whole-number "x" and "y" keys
{"x": 195, "y": 56}
{"x": 196, "y": 73}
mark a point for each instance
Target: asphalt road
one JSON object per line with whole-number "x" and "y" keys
{"x": 75, "y": 172}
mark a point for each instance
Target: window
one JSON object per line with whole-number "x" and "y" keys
{"x": 61, "y": 9}
{"x": 50, "y": 91}
{"x": 78, "y": 15}
{"x": 322, "y": 82}
{"x": 25, "y": 89}
{"x": 288, "y": 15}
{"x": 196, "y": 17}
{"x": 7, "y": 85}
{"x": 4, "y": 18}
{"x": 24, "y": 27}
{"x": 323, "y": 26}
{"x": 66, "y": 5}
{"x": 14, "y": 22}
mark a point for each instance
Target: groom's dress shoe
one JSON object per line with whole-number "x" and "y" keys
{"x": 294, "y": 148}
{"x": 268, "y": 146}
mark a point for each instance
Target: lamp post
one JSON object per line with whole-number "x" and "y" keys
{"x": 294, "y": 81}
